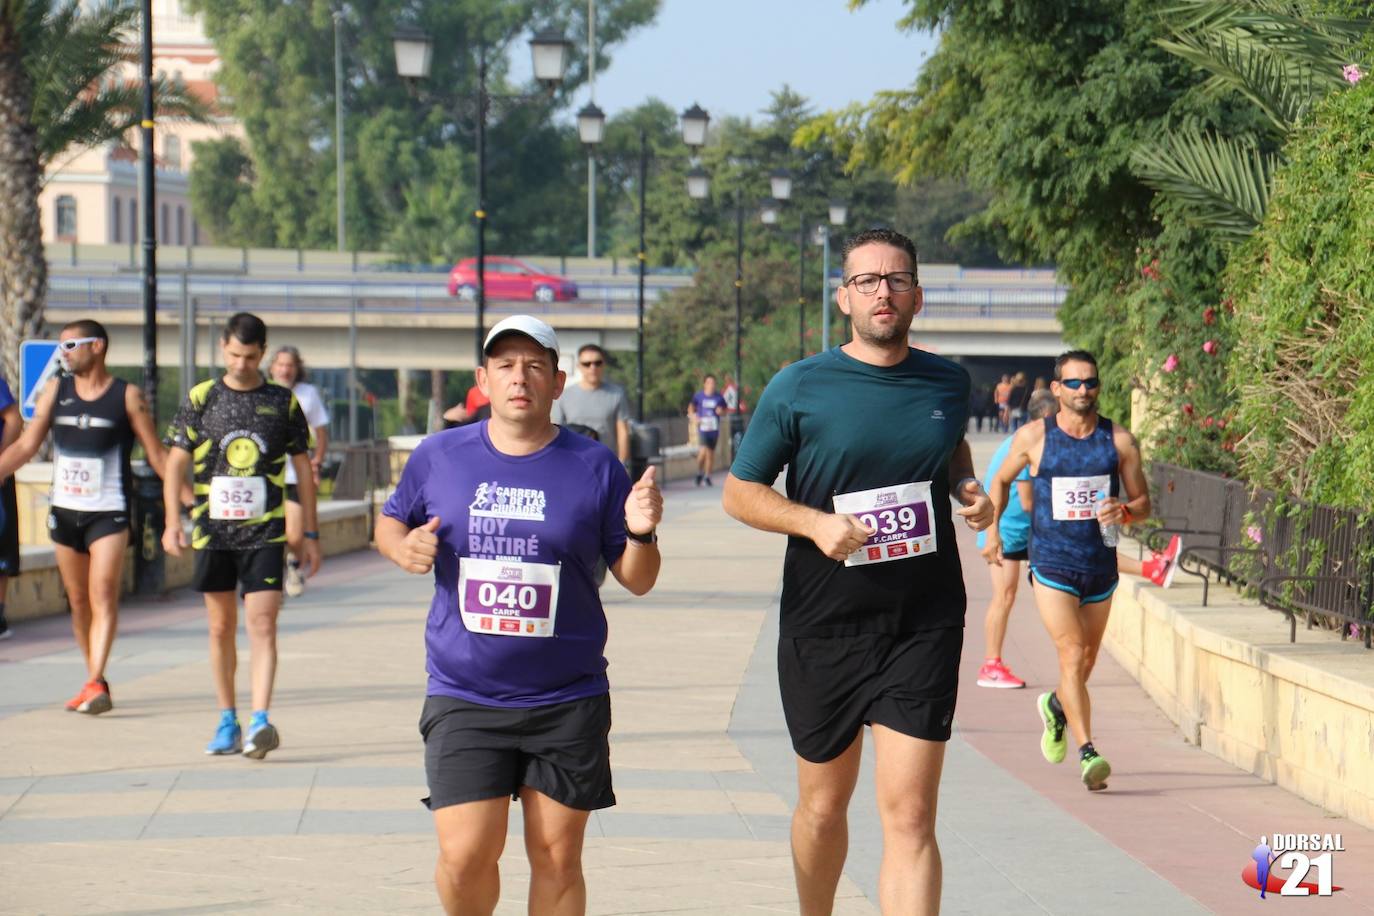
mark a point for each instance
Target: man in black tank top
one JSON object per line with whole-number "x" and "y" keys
{"x": 94, "y": 419}
{"x": 1086, "y": 474}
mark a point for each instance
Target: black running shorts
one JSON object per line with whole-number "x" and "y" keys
{"x": 258, "y": 570}
{"x": 79, "y": 530}
{"x": 475, "y": 752}
{"x": 832, "y": 686}
{"x": 9, "y": 529}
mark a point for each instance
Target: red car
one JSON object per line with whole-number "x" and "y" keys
{"x": 509, "y": 278}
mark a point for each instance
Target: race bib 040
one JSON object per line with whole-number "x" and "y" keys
{"x": 507, "y": 598}
{"x": 237, "y": 498}
{"x": 1072, "y": 498}
{"x": 902, "y": 519}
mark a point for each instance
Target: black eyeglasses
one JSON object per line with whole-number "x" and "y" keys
{"x": 899, "y": 282}
{"x": 593, "y": 362}
{"x": 1075, "y": 383}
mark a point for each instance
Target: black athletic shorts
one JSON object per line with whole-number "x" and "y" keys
{"x": 293, "y": 495}
{"x": 475, "y": 752}
{"x": 708, "y": 440}
{"x": 79, "y": 530}
{"x": 832, "y": 686}
{"x": 1022, "y": 554}
{"x": 9, "y": 529}
{"x": 258, "y": 570}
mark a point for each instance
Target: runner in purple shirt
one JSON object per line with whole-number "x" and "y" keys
{"x": 705, "y": 410}
{"x": 512, "y": 515}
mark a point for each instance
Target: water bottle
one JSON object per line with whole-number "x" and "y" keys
{"x": 1111, "y": 534}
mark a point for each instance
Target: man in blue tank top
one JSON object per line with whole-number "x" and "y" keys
{"x": 1086, "y": 474}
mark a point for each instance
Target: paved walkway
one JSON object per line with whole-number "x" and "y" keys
{"x": 124, "y": 814}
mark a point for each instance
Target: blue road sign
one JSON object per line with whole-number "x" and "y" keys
{"x": 38, "y": 362}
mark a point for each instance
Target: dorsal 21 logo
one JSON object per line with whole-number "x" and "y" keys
{"x": 1298, "y": 856}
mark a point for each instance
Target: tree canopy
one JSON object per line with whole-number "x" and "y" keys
{"x": 410, "y": 148}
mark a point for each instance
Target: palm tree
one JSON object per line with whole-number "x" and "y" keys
{"x": 1278, "y": 55}
{"x": 23, "y": 269}
{"x": 58, "y": 93}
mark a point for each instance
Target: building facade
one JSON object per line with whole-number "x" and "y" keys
{"x": 91, "y": 196}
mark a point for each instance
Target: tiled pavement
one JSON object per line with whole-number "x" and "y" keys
{"x": 124, "y": 814}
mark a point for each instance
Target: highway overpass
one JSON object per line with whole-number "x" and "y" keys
{"x": 410, "y": 322}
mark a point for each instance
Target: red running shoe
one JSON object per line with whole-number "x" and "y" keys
{"x": 93, "y": 699}
{"x": 995, "y": 674}
{"x": 1161, "y": 567}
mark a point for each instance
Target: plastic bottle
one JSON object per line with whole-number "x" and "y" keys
{"x": 1111, "y": 534}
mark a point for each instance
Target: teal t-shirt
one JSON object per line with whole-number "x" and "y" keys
{"x": 840, "y": 425}
{"x": 1015, "y": 524}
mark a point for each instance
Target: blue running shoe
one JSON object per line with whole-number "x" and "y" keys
{"x": 262, "y": 737}
{"x": 228, "y": 737}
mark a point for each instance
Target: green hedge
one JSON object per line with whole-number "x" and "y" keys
{"x": 1302, "y": 288}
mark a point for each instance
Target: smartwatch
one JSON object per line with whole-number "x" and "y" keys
{"x": 650, "y": 538}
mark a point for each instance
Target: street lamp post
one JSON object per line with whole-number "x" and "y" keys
{"x": 839, "y": 212}
{"x": 148, "y": 202}
{"x": 339, "y": 132}
{"x": 414, "y": 52}
{"x": 801, "y": 286}
{"x": 591, "y": 129}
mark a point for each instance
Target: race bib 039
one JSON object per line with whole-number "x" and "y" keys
{"x": 902, "y": 519}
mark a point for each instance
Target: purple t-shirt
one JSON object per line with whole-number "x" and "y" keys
{"x": 704, "y": 405}
{"x": 6, "y": 399}
{"x": 563, "y": 505}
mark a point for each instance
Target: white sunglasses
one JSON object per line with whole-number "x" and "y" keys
{"x": 68, "y": 346}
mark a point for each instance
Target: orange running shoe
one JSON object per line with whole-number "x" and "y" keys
{"x": 93, "y": 699}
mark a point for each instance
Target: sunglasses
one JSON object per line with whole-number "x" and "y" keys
{"x": 593, "y": 362}
{"x": 1075, "y": 383}
{"x": 68, "y": 346}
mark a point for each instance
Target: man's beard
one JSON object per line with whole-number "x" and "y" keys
{"x": 865, "y": 330}
{"x": 1086, "y": 411}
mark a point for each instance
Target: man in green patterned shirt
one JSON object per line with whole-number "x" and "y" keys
{"x": 239, "y": 431}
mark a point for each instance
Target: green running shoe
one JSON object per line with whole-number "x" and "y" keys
{"x": 1096, "y": 769}
{"x": 1052, "y": 743}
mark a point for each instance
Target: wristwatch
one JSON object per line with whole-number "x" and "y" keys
{"x": 311, "y": 535}
{"x": 650, "y": 538}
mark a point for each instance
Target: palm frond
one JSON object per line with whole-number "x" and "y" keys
{"x": 1220, "y": 184}
{"x": 73, "y": 56}
{"x": 1281, "y": 88}
{"x": 1276, "y": 53}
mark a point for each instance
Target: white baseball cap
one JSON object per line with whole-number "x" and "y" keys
{"x": 528, "y": 325}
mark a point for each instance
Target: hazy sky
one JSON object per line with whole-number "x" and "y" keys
{"x": 729, "y": 55}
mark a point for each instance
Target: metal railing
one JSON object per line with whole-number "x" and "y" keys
{"x": 1300, "y": 558}
{"x": 229, "y": 294}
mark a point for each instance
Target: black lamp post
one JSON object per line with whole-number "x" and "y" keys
{"x": 149, "y": 204}
{"x": 591, "y": 129}
{"x": 414, "y": 53}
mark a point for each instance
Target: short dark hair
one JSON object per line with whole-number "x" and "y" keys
{"x": 879, "y": 237}
{"x": 246, "y": 328}
{"x": 1073, "y": 356}
{"x": 295, "y": 355}
{"x": 88, "y": 327}
{"x": 709, "y": 375}
{"x": 593, "y": 347}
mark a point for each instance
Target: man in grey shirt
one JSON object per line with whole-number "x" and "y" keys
{"x": 596, "y": 403}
